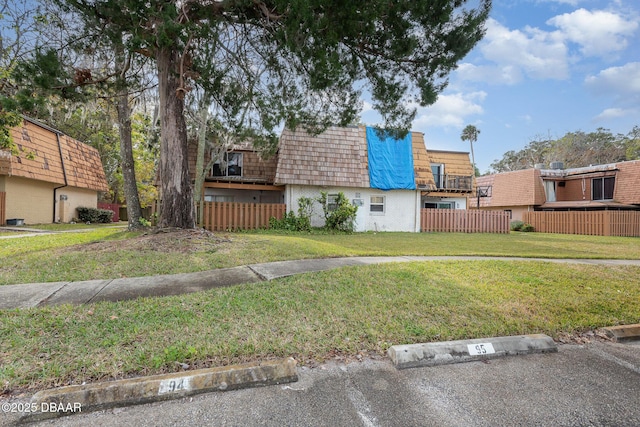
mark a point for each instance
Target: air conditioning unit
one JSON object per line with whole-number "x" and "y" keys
{"x": 556, "y": 165}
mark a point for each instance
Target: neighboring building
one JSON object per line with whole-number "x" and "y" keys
{"x": 239, "y": 175}
{"x": 389, "y": 180}
{"x": 600, "y": 187}
{"x": 49, "y": 176}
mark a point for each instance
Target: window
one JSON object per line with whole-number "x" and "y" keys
{"x": 332, "y": 202}
{"x": 376, "y": 204}
{"x": 602, "y": 188}
{"x": 438, "y": 174}
{"x": 231, "y": 166}
{"x": 510, "y": 212}
{"x": 439, "y": 205}
{"x": 218, "y": 198}
{"x": 550, "y": 190}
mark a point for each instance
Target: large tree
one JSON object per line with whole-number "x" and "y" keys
{"x": 293, "y": 63}
{"x": 574, "y": 150}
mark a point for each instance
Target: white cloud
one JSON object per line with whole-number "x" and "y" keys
{"x": 366, "y": 107}
{"x": 614, "y": 113}
{"x": 599, "y": 33}
{"x": 531, "y": 52}
{"x": 451, "y": 110}
{"x": 621, "y": 81}
{"x": 506, "y": 74}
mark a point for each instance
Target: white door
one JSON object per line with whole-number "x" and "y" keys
{"x": 361, "y": 216}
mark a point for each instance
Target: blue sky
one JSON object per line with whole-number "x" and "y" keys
{"x": 544, "y": 68}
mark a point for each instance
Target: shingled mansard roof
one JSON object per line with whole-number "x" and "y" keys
{"x": 338, "y": 158}
{"x": 45, "y": 154}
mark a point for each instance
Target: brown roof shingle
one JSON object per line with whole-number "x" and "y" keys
{"x": 336, "y": 157}
{"x": 39, "y": 158}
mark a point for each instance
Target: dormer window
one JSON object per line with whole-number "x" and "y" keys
{"x": 231, "y": 166}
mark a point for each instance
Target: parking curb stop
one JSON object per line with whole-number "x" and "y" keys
{"x": 67, "y": 400}
{"x": 447, "y": 352}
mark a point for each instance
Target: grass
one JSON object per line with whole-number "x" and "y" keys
{"x": 349, "y": 311}
{"x": 53, "y": 257}
{"x": 312, "y": 317}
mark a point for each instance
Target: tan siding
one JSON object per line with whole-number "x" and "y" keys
{"x": 29, "y": 200}
{"x": 421, "y": 165}
{"x": 456, "y": 163}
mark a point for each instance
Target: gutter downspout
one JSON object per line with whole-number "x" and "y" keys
{"x": 64, "y": 174}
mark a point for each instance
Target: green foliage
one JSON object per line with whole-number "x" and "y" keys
{"x": 7, "y": 121}
{"x": 527, "y": 228}
{"x": 177, "y": 353}
{"x": 516, "y": 225}
{"x": 291, "y": 222}
{"x": 94, "y": 215}
{"x": 574, "y": 150}
{"x": 339, "y": 213}
{"x": 144, "y": 222}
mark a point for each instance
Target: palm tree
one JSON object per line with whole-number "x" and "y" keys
{"x": 470, "y": 133}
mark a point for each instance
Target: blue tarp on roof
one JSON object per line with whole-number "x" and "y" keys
{"x": 390, "y": 161}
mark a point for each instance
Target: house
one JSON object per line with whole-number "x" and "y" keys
{"x": 390, "y": 180}
{"x": 600, "y": 187}
{"x": 48, "y": 175}
{"x": 239, "y": 174}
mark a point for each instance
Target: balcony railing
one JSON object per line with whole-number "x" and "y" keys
{"x": 458, "y": 183}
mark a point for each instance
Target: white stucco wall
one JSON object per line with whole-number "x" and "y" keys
{"x": 401, "y": 207}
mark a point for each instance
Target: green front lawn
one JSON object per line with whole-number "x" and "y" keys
{"x": 313, "y": 317}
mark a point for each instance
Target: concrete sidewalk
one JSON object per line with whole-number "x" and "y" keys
{"x": 84, "y": 292}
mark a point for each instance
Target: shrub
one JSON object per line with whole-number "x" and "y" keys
{"x": 94, "y": 215}
{"x": 527, "y": 228}
{"x": 342, "y": 216}
{"x": 516, "y": 225}
{"x": 291, "y": 222}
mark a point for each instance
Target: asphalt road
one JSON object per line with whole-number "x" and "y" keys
{"x": 595, "y": 384}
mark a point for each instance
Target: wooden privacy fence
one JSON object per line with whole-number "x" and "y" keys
{"x": 222, "y": 216}
{"x": 595, "y": 223}
{"x": 464, "y": 221}
{"x": 3, "y": 208}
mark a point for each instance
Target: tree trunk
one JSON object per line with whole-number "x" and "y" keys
{"x": 176, "y": 194}
{"x": 201, "y": 171}
{"x": 134, "y": 212}
{"x": 130, "y": 186}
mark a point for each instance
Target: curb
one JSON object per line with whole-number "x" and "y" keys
{"x": 623, "y": 333}
{"x": 443, "y": 353}
{"x": 68, "y": 400}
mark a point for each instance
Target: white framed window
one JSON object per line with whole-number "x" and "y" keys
{"x": 437, "y": 169}
{"x": 332, "y": 202}
{"x": 376, "y": 204}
